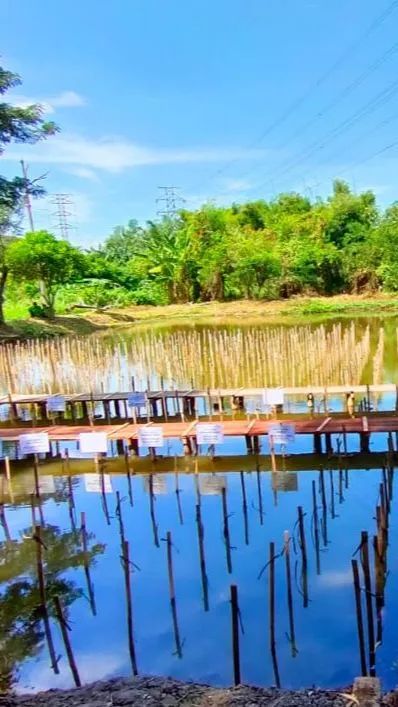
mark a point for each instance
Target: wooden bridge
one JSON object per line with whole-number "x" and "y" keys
{"x": 320, "y": 428}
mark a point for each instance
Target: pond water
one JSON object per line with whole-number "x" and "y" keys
{"x": 221, "y": 524}
{"x": 333, "y": 352}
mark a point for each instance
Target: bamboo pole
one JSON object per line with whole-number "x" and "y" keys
{"x": 244, "y": 507}
{"x": 358, "y": 606}
{"x": 235, "y": 633}
{"x": 227, "y": 540}
{"x": 202, "y": 557}
{"x": 303, "y": 547}
{"x": 64, "y": 630}
{"x": 272, "y": 639}
{"x": 126, "y": 567}
{"x": 369, "y": 608}
{"x": 90, "y": 586}
{"x": 43, "y": 599}
{"x": 172, "y": 594}
{"x": 292, "y": 633}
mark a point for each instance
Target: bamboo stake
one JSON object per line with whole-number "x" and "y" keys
{"x": 292, "y": 633}
{"x": 43, "y": 600}
{"x": 358, "y": 606}
{"x": 64, "y": 630}
{"x": 368, "y": 595}
{"x": 244, "y": 506}
{"x": 235, "y": 633}
{"x": 126, "y": 567}
{"x": 303, "y": 548}
{"x": 173, "y": 602}
{"x": 226, "y": 531}
{"x": 272, "y": 613}
{"x": 90, "y": 586}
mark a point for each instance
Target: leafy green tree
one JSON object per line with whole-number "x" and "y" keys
{"x": 24, "y": 125}
{"x": 41, "y": 257}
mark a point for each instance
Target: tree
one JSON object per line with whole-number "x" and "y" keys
{"x": 41, "y": 257}
{"x": 24, "y": 125}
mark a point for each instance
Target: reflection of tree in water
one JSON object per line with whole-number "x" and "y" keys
{"x": 21, "y": 634}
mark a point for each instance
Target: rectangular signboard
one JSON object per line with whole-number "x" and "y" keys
{"x": 136, "y": 400}
{"x": 273, "y": 396}
{"x": 56, "y": 403}
{"x": 93, "y": 442}
{"x": 281, "y": 433}
{"x": 212, "y": 485}
{"x": 97, "y": 483}
{"x": 209, "y": 433}
{"x": 150, "y": 436}
{"x": 34, "y": 443}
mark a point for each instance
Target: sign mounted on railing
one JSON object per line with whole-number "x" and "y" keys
{"x": 281, "y": 433}
{"x": 93, "y": 442}
{"x": 34, "y": 443}
{"x": 273, "y": 396}
{"x": 56, "y": 403}
{"x": 136, "y": 400}
{"x": 209, "y": 433}
{"x": 150, "y": 436}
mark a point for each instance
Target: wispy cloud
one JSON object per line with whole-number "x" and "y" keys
{"x": 83, "y": 173}
{"x": 235, "y": 185}
{"x": 65, "y": 99}
{"x": 115, "y": 154}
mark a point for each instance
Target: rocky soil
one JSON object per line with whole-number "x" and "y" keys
{"x": 158, "y": 692}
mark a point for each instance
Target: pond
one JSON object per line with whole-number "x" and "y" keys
{"x": 214, "y": 529}
{"x": 221, "y": 527}
{"x": 333, "y": 352}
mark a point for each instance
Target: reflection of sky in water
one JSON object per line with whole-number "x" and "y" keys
{"x": 325, "y": 631}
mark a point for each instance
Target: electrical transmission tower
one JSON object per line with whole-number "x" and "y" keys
{"x": 62, "y": 214}
{"x": 170, "y": 201}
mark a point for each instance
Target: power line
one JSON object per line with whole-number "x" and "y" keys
{"x": 62, "y": 214}
{"x": 170, "y": 201}
{"x": 291, "y": 109}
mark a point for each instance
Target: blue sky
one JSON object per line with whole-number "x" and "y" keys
{"x": 226, "y": 100}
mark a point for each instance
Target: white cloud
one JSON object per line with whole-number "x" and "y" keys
{"x": 65, "y": 99}
{"x": 235, "y": 185}
{"x": 114, "y": 154}
{"x": 37, "y": 678}
{"x": 84, "y": 173}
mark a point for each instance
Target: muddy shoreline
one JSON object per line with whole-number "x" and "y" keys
{"x": 163, "y": 692}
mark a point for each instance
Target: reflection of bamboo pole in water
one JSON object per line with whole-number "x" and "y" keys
{"x": 64, "y": 630}
{"x": 71, "y": 504}
{"x": 103, "y": 496}
{"x": 260, "y": 496}
{"x": 379, "y": 590}
{"x": 126, "y": 567}
{"x": 119, "y": 516}
{"x": 332, "y": 504}
{"x": 358, "y": 606}
{"x": 244, "y": 506}
{"x": 303, "y": 547}
{"x": 272, "y": 613}
{"x": 4, "y": 524}
{"x": 235, "y": 633}
{"x": 202, "y": 558}
{"x": 128, "y": 474}
{"x": 346, "y": 478}
{"x": 90, "y": 586}
{"x": 341, "y": 497}
{"x": 324, "y": 523}
{"x": 292, "y": 633}
{"x": 43, "y": 599}
{"x": 316, "y": 528}
{"x": 152, "y": 511}
{"x": 368, "y": 595}
{"x": 227, "y": 540}
{"x": 173, "y": 602}
{"x": 33, "y": 509}
{"x": 178, "y": 497}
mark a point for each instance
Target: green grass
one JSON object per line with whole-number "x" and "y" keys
{"x": 315, "y": 306}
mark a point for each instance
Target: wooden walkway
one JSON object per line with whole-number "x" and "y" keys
{"x": 231, "y": 428}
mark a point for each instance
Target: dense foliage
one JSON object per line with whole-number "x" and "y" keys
{"x": 257, "y": 250}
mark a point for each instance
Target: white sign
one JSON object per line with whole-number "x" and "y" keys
{"x": 273, "y": 396}
{"x": 136, "y": 400}
{"x": 97, "y": 483}
{"x": 212, "y": 485}
{"x": 150, "y": 437}
{"x": 281, "y": 433}
{"x": 56, "y": 403}
{"x": 34, "y": 443}
{"x": 93, "y": 442}
{"x": 209, "y": 433}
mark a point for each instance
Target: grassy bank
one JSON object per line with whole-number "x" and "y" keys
{"x": 300, "y": 309}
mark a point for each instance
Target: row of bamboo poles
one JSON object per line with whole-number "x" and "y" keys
{"x": 197, "y": 358}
